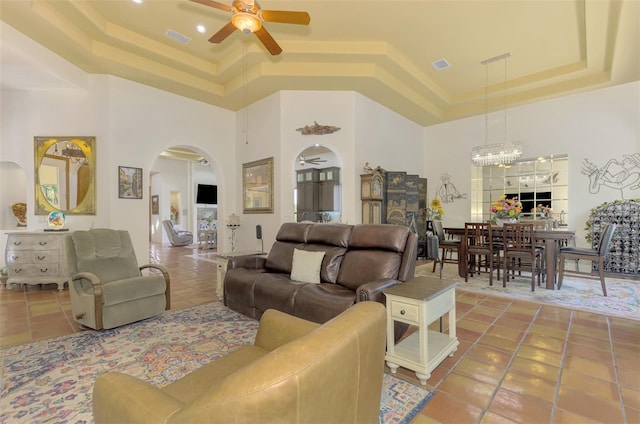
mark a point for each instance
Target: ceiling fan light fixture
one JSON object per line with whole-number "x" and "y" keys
{"x": 246, "y": 22}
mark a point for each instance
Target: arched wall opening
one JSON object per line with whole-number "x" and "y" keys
{"x": 318, "y": 189}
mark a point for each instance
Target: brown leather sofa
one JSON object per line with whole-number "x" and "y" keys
{"x": 296, "y": 372}
{"x": 359, "y": 262}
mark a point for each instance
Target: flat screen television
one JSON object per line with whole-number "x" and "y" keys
{"x": 207, "y": 194}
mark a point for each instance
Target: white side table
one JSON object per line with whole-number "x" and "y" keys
{"x": 420, "y": 302}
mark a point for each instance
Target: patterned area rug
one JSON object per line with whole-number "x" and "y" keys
{"x": 623, "y": 295}
{"x": 52, "y": 380}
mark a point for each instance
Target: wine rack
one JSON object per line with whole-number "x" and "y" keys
{"x": 624, "y": 251}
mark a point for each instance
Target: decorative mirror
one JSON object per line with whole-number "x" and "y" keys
{"x": 65, "y": 175}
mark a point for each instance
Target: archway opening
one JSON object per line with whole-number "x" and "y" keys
{"x": 318, "y": 190}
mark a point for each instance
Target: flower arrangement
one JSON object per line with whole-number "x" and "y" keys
{"x": 506, "y": 208}
{"x": 435, "y": 209}
{"x": 174, "y": 213}
{"x": 545, "y": 212}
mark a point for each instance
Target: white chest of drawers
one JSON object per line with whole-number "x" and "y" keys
{"x": 35, "y": 258}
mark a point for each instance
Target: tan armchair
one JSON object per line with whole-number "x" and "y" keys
{"x": 106, "y": 286}
{"x": 296, "y": 371}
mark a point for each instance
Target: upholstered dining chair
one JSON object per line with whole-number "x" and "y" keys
{"x": 479, "y": 244}
{"x": 520, "y": 252}
{"x": 107, "y": 288}
{"x": 447, "y": 247}
{"x": 176, "y": 237}
{"x": 597, "y": 255}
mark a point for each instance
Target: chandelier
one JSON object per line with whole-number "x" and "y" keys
{"x": 496, "y": 153}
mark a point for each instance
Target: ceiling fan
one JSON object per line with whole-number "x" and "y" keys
{"x": 311, "y": 161}
{"x": 247, "y": 16}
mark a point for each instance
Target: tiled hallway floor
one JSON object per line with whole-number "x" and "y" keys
{"x": 518, "y": 362}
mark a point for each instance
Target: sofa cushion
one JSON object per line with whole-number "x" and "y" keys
{"x": 106, "y": 253}
{"x": 362, "y": 266}
{"x": 275, "y": 291}
{"x": 280, "y": 256}
{"x": 238, "y": 285}
{"x": 306, "y": 266}
{"x": 131, "y": 289}
{"x": 294, "y": 232}
{"x": 331, "y": 262}
{"x": 321, "y": 302}
{"x": 330, "y": 234}
{"x": 379, "y": 236}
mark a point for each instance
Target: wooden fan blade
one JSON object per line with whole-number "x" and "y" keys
{"x": 215, "y": 4}
{"x": 268, "y": 41}
{"x": 285, "y": 17}
{"x": 223, "y": 33}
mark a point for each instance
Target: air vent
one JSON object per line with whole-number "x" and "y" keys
{"x": 177, "y": 36}
{"x": 441, "y": 64}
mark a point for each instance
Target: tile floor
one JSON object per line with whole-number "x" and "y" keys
{"x": 518, "y": 362}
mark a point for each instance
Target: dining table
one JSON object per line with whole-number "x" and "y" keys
{"x": 550, "y": 238}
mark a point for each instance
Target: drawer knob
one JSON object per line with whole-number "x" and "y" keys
{"x": 17, "y": 270}
{"x": 14, "y": 257}
{"x": 44, "y": 270}
{"x": 43, "y": 243}
{"x": 41, "y": 257}
{"x": 17, "y": 243}
{"x": 402, "y": 312}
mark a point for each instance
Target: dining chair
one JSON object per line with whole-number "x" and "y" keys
{"x": 447, "y": 247}
{"x": 479, "y": 244}
{"x": 520, "y": 252}
{"x": 597, "y": 255}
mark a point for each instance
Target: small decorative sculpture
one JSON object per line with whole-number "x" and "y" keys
{"x": 367, "y": 169}
{"x": 19, "y": 211}
{"x": 317, "y": 129}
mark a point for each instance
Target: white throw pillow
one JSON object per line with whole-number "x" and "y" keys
{"x": 306, "y": 266}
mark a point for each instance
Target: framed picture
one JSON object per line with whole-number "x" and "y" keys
{"x": 155, "y": 205}
{"x": 129, "y": 182}
{"x": 257, "y": 186}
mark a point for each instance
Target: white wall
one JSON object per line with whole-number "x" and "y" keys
{"x": 597, "y": 125}
{"x": 132, "y": 124}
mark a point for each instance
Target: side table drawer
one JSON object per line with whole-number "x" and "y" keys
{"x": 403, "y": 311}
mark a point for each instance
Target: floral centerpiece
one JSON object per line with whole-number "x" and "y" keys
{"x": 435, "y": 209}
{"x": 505, "y": 209}
{"x": 545, "y": 212}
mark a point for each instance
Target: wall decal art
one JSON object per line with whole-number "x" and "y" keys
{"x": 448, "y": 191}
{"x": 622, "y": 175}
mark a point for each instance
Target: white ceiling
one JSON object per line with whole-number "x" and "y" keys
{"x": 382, "y": 49}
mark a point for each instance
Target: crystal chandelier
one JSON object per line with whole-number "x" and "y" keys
{"x": 496, "y": 153}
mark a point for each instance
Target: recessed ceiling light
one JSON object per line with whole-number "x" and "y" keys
{"x": 441, "y": 64}
{"x": 201, "y": 29}
{"x": 137, "y": 1}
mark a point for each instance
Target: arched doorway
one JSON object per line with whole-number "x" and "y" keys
{"x": 183, "y": 189}
{"x": 318, "y": 192}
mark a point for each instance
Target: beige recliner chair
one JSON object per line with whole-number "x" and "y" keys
{"x": 295, "y": 372}
{"x": 177, "y": 238}
{"x": 106, "y": 286}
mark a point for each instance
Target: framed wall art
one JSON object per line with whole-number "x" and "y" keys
{"x": 129, "y": 182}
{"x": 257, "y": 186}
{"x": 155, "y": 204}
